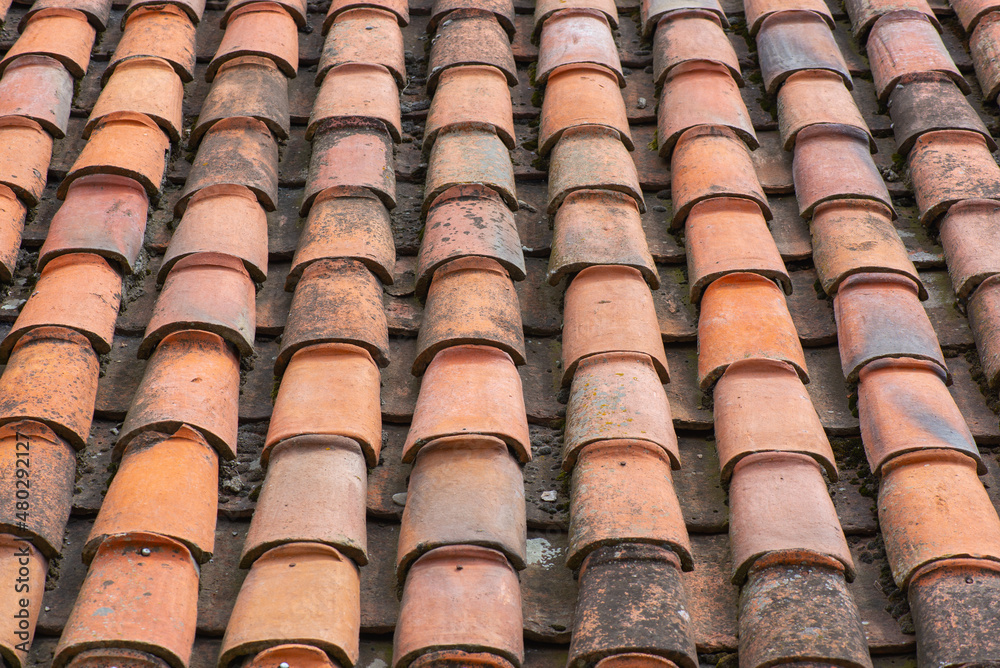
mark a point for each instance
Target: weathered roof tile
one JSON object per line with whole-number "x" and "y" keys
{"x": 745, "y": 298}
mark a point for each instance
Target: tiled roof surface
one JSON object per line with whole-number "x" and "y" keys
{"x": 479, "y": 333}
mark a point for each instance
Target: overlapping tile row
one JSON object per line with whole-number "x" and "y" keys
{"x": 963, "y": 209}
{"x": 49, "y": 386}
{"x": 941, "y": 533}
{"x": 790, "y": 556}
{"x": 308, "y": 538}
{"x": 37, "y": 77}
{"x": 138, "y": 602}
{"x": 981, "y": 21}
{"x": 628, "y": 543}
{"x": 463, "y": 533}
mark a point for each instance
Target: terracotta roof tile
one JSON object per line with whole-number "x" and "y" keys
{"x": 296, "y": 8}
{"x": 906, "y": 43}
{"x": 653, "y": 11}
{"x": 635, "y": 660}
{"x": 163, "y": 31}
{"x": 98, "y": 12}
{"x": 940, "y": 487}
{"x": 453, "y": 378}
{"x": 25, "y": 152}
{"x": 102, "y": 214}
{"x": 12, "y": 216}
{"x": 229, "y": 96}
{"x": 235, "y": 151}
{"x": 221, "y": 220}
{"x": 350, "y": 225}
{"x": 151, "y": 471}
{"x": 793, "y": 41}
{"x": 599, "y": 227}
{"x": 579, "y": 95}
{"x": 725, "y": 235}
{"x": 245, "y": 37}
{"x": 471, "y": 94}
{"x": 943, "y": 586}
{"x": 614, "y": 582}
{"x": 62, "y": 34}
{"x": 17, "y": 557}
{"x": 683, "y": 36}
{"x": 130, "y": 658}
{"x": 470, "y": 37}
{"x": 731, "y": 172}
{"x": 168, "y": 397}
{"x": 314, "y": 492}
{"x": 193, "y": 8}
{"x": 742, "y": 429}
{"x": 364, "y": 34}
{"x": 211, "y": 292}
{"x": 146, "y": 86}
{"x": 463, "y": 490}
{"x": 617, "y": 396}
{"x": 948, "y": 166}
{"x": 545, "y": 9}
{"x": 966, "y": 235}
{"x": 472, "y": 583}
{"x": 591, "y": 157}
{"x": 970, "y": 12}
{"x": 357, "y": 91}
{"x": 745, "y": 297}
{"x": 864, "y": 13}
{"x": 29, "y": 444}
{"x": 43, "y": 361}
{"x": 932, "y": 102}
{"x": 468, "y": 221}
{"x": 880, "y": 316}
{"x": 757, "y": 11}
{"x": 320, "y": 576}
{"x": 471, "y": 300}
{"x": 983, "y": 308}
{"x": 346, "y": 223}
{"x": 456, "y": 657}
{"x": 855, "y": 236}
{"x": 78, "y": 291}
{"x": 779, "y": 627}
{"x": 833, "y": 162}
{"x": 358, "y": 157}
{"x": 904, "y": 407}
{"x": 449, "y": 165}
{"x": 124, "y": 143}
{"x": 337, "y": 7}
{"x": 697, "y": 94}
{"x": 302, "y": 655}
{"x": 610, "y": 309}
{"x": 503, "y": 11}
{"x": 303, "y": 407}
{"x": 577, "y": 36}
{"x": 38, "y": 88}
{"x": 812, "y": 97}
{"x": 763, "y": 523}
{"x": 159, "y": 578}
{"x": 336, "y": 301}
{"x": 623, "y": 493}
